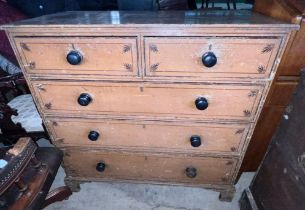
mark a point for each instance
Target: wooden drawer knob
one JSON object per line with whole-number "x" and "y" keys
{"x": 84, "y": 99}
{"x": 209, "y": 59}
{"x": 195, "y": 141}
{"x": 191, "y": 172}
{"x": 100, "y": 167}
{"x": 93, "y": 135}
{"x": 201, "y": 103}
{"x": 74, "y": 57}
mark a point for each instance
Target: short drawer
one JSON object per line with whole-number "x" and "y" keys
{"x": 96, "y": 164}
{"x": 150, "y": 100}
{"x": 146, "y": 135}
{"x": 203, "y": 58}
{"x": 81, "y": 55}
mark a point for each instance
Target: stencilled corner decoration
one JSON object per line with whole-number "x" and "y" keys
{"x": 128, "y": 66}
{"x": 261, "y": 69}
{"x": 25, "y": 46}
{"x": 40, "y": 87}
{"x": 253, "y": 93}
{"x": 126, "y": 48}
{"x": 153, "y": 48}
{"x": 48, "y": 105}
{"x": 239, "y": 131}
{"x": 247, "y": 113}
{"x": 233, "y": 149}
{"x": 229, "y": 162}
{"x": 31, "y": 65}
{"x": 268, "y": 48}
{"x": 154, "y": 66}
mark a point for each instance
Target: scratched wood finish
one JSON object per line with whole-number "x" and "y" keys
{"x": 236, "y": 57}
{"x": 164, "y": 18}
{"x": 171, "y": 136}
{"x": 152, "y": 107}
{"x": 101, "y": 55}
{"x": 148, "y": 167}
{"x": 140, "y": 99}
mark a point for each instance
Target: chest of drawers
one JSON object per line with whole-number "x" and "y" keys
{"x": 159, "y": 97}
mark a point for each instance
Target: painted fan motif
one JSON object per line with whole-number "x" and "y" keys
{"x": 153, "y": 48}
{"x": 154, "y": 67}
{"x": 268, "y": 48}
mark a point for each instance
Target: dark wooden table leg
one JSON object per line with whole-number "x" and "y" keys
{"x": 57, "y": 194}
{"x": 234, "y": 4}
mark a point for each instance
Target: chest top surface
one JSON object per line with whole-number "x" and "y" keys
{"x": 137, "y": 18}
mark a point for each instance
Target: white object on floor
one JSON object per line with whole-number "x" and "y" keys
{"x": 3, "y": 163}
{"x": 28, "y": 115}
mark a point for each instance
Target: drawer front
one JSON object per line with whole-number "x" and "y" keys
{"x": 99, "y": 55}
{"x": 145, "y": 135}
{"x": 156, "y": 100}
{"x": 236, "y": 57}
{"x": 148, "y": 167}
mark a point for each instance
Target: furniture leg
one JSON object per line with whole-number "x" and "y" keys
{"x": 58, "y": 194}
{"x": 234, "y": 4}
{"x": 74, "y": 185}
{"x": 227, "y": 194}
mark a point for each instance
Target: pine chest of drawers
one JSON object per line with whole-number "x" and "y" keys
{"x": 160, "y": 97}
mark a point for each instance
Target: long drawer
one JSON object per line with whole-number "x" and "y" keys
{"x": 99, "y": 165}
{"x": 159, "y": 100}
{"x": 201, "y": 58}
{"x": 146, "y": 135}
{"x": 68, "y": 55}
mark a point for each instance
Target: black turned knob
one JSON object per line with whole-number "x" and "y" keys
{"x": 191, "y": 172}
{"x": 100, "y": 166}
{"x": 93, "y": 135}
{"x": 201, "y": 103}
{"x": 209, "y": 59}
{"x": 195, "y": 141}
{"x": 84, "y": 99}
{"x": 74, "y": 57}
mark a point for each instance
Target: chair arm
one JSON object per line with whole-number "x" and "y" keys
{"x": 18, "y": 158}
{"x": 15, "y": 84}
{"x": 7, "y": 126}
{"x": 6, "y": 112}
{"x": 11, "y": 81}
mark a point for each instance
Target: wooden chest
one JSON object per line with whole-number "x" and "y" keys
{"x": 161, "y": 97}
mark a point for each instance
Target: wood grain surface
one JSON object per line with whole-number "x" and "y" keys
{"x": 236, "y": 57}
{"x": 148, "y": 167}
{"x": 101, "y": 55}
{"x": 141, "y": 135}
{"x": 227, "y": 102}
